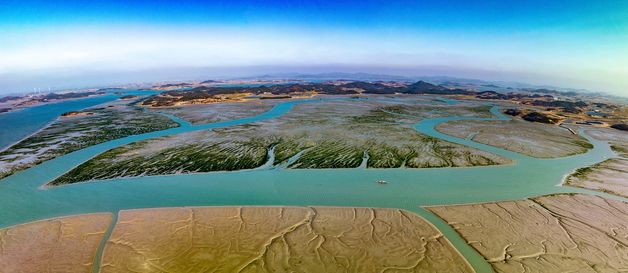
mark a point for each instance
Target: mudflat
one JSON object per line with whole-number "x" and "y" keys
{"x": 529, "y": 138}
{"x": 557, "y": 233}
{"x": 216, "y": 112}
{"x": 328, "y": 134}
{"x": 611, "y": 175}
{"x": 277, "y": 239}
{"x": 80, "y": 129}
{"x": 618, "y": 139}
{"x": 66, "y": 244}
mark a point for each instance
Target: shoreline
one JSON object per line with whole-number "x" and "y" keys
{"x": 2, "y": 149}
{"x": 13, "y": 109}
{"x": 447, "y": 255}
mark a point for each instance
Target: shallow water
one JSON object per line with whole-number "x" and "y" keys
{"x": 23, "y": 200}
{"x": 16, "y": 125}
{"x": 19, "y": 124}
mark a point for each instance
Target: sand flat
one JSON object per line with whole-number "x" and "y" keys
{"x": 216, "y": 112}
{"x": 558, "y": 233}
{"x": 277, "y": 239}
{"x": 66, "y": 244}
{"x": 529, "y": 138}
{"x": 608, "y": 134}
{"x": 618, "y": 139}
{"x": 609, "y": 176}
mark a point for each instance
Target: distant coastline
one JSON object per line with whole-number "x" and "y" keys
{"x": 14, "y": 103}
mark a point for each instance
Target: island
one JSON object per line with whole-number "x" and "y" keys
{"x": 346, "y": 133}
{"x": 10, "y": 103}
{"x": 80, "y": 129}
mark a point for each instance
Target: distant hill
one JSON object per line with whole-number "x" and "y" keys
{"x": 422, "y": 87}
{"x": 454, "y": 82}
{"x": 171, "y": 98}
{"x": 9, "y": 98}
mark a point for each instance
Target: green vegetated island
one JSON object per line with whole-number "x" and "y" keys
{"x": 80, "y": 129}
{"x": 330, "y": 134}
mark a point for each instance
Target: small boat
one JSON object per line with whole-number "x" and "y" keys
{"x": 382, "y": 182}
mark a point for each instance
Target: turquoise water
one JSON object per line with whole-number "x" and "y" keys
{"x": 22, "y": 199}
{"x": 19, "y": 124}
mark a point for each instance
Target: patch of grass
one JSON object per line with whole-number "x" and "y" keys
{"x": 373, "y": 116}
{"x": 584, "y": 143}
{"x": 382, "y": 155}
{"x": 67, "y": 135}
{"x": 619, "y": 149}
{"x": 221, "y": 156}
{"x": 289, "y": 147}
{"x": 582, "y": 172}
{"x": 330, "y": 154}
{"x": 483, "y": 111}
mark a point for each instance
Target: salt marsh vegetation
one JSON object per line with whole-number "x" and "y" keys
{"x": 76, "y": 131}
{"x": 330, "y": 134}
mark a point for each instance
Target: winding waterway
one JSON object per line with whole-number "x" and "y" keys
{"x": 18, "y": 124}
{"x": 23, "y": 199}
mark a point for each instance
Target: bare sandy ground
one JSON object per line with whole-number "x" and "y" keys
{"x": 277, "y": 239}
{"x": 533, "y": 139}
{"x": 65, "y": 244}
{"x": 608, "y": 134}
{"x": 559, "y": 233}
{"x": 611, "y": 175}
{"x": 215, "y": 112}
{"x": 618, "y": 139}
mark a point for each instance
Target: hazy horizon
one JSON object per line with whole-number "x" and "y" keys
{"x": 112, "y": 79}
{"x": 572, "y": 44}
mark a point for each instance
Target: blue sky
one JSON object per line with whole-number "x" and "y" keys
{"x": 580, "y": 44}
